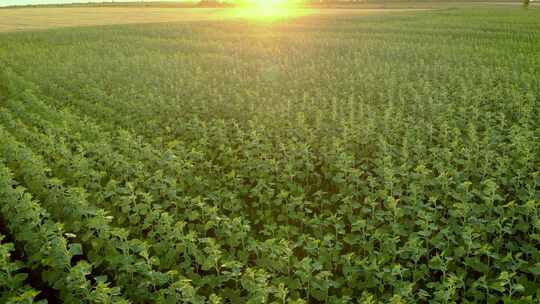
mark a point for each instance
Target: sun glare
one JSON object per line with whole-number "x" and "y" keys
{"x": 267, "y": 10}
{"x": 269, "y": 4}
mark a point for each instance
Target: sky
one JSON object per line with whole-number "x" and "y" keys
{"x": 25, "y": 2}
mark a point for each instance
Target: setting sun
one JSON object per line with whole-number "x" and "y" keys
{"x": 266, "y": 10}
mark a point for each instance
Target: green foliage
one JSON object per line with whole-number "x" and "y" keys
{"x": 13, "y": 288}
{"x": 362, "y": 160}
{"x": 45, "y": 246}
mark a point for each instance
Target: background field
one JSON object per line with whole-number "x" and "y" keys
{"x": 363, "y": 157}
{"x": 41, "y": 17}
{"x": 38, "y": 18}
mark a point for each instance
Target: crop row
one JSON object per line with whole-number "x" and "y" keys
{"x": 331, "y": 161}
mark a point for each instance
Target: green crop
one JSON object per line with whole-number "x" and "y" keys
{"x": 361, "y": 159}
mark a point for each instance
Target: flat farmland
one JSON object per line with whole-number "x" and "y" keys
{"x": 39, "y": 18}
{"x": 152, "y": 155}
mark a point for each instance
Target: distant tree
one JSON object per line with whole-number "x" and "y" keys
{"x": 526, "y": 3}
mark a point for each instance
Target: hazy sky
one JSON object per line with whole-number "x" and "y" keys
{"x": 24, "y": 2}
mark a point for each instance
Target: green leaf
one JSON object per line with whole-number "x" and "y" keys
{"x": 75, "y": 249}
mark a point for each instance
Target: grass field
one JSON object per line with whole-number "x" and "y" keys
{"x": 335, "y": 157}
